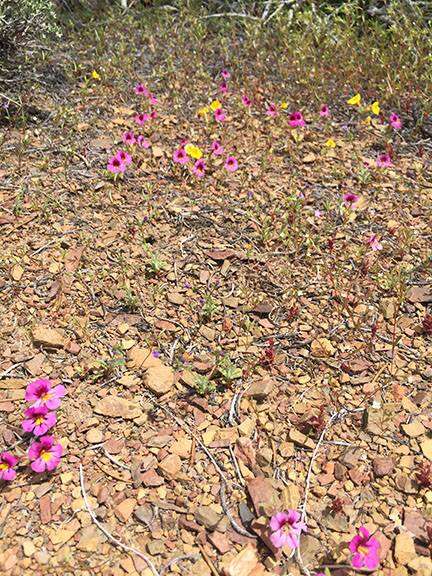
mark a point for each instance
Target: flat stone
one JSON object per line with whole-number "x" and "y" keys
{"x": 144, "y": 514}
{"x": 28, "y": 548}
{"x": 263, "y": 495}
{"x": 415, "y": 523}
{"x": 404, "y": 550}
{"x": 124, "y": 510}
{"x": 48, "y": 337}
{"x": 170, "y": 466}
{"x": 382, "y": 466}
{"x": 117, "y": 407}
{"x": 151, "y": 479}
{"x": 94, "y": 436}
{"x": 91, "y": 539}
{"x": 220, "y": 542}
{"x": 301, "y": 439}
{"x": 206, "y": 516}
{"x": 159, "y": 379}
{"x": 141, "y": 358}
{"x": 311, "y": 549}
{"x": 421, "y": 566}
{"x": 155, "y": 547}
{"x": 260, "y": 389}
{"x": 414, "y": 429}
{"x": 426, "y": 448}
{"x": 322, "y": 347}
{"x": 243, "y": 564}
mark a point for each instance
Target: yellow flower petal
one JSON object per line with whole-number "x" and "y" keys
{"x": 375, "y": 108}
{"x": 330, "y": 143}
{"x": 284, "y": 105}
{"x": 203, "y": 111}
{"x": 367, "y": 121}
{"x": 95, "y": 75}
{"x": 355, "y": 100}
{"x": 215, "y": 105}
{"x": 193, "y": 151}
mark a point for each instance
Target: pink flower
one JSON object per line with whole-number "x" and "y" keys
{"x": 142, "y": 118}
{"x": 225, "y": 74}
{"x": 45, "y": 454}
{"x": 350, "y": 199}
{"x": 38, "y": 420}
{"x": 365, "y": 549}
{"x": 286, "y": 528}
{"x": 318, "y": 214}
{"x": 115, "y": 165}
{"x": 219, "y": 115}
{"x": 272, "y": 110}
{"x": 231, "y": 164}
{"x": 153, "y": 100}
{"x": 394, "y": 121}
{"x": 324, "y": 111}
{"x": 296, "y": 119}
{"x": 180, "y": 156}
{"x": 124, "y": 157}
{"x": 217, "y": 148}
{"x": 129, "y": 138}
{"x": 153, "y": 114}
{"x": 143, "y": 142}
{"x": 199, "y": 168}
{"x": 41, "y": 393}
{"x": 246, "y": 101}
{"x": 141, "y": 90}
{"x": 384, "y": 160}
{"x": 223, "y": 88}
{"x": 7, "y": 463}
{"x": 373, "y": 242}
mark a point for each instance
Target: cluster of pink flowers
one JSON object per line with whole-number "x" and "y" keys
{"x": 44, "y": 452}
{"x": 180, "y": 156}
{"x": 286, "y": 528}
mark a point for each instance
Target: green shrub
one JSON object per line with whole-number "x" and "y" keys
{"x": 24, "y": 22}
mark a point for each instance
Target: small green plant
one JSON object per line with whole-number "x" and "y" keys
{"x": 203, "y": 385}
{"x": 228, "y": 370}
{"x": 130, "y": 300}
{"x": 210, "y": 307}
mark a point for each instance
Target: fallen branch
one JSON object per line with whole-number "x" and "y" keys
{"x": 107, "y": 534}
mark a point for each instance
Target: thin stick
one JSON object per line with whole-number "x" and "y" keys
{"x": 209, "y": 563}
{"x": 105, "y": 531}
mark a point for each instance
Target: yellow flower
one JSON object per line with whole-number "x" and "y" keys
{"x": 375, "y": 108}
{"x": 355, "y": 100}
{"x": 284, "y": 105}
{"x": 215, "y": 105}
{"x": 193, "y": 151}
{"x": 203, "y": 111}
{"x": 367, "y": 121}
{"x": 330, "y": 143}
{"x": 95, "y": 75}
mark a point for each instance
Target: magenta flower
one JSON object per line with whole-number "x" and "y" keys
{"x": 143, "y": 142}
{"x": 384, "y": 160}
{"x": 217, "y": 148}
{"x": 350, "y": 199}
{"x": 7, "y": 463}
{"x": 38, "y": 420}
{"x": 141, "y": 90}
{"x": 365, "y": 549}
{"x": 199, "y": 168}
{"x": 219, "y": 115}
{"x": 223, "y": 88}
{"x": 124, "y": 157}
{"x": 153, "y": 99}
{"x": 373, "y": 242}
{"x": 129, "y": 138}
{"x": 286, "y": 528}
{"x": 231, "y": 164}
{"x": 394, "y": 121}
{"x": 225, "y": 74}
{"x": 45, "y": 454}
{"x": 272, "y": 110}
{"x": 153, "y": 115}
{"x": 296, "y": 119}
{"x": 324, "y": 111}
{"x": 142, "y": 118}
{"x": 115, "y": 165}
{"x": 246, "y": 101}
{"x": 180, "y": 156}
{"x": 41, "y": 393}
{"x": 318, "y": 214}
